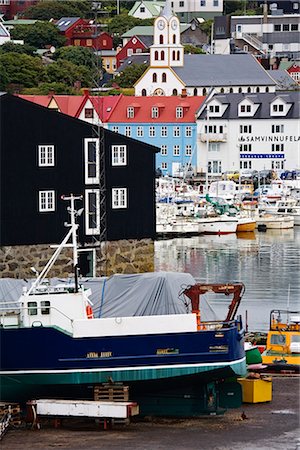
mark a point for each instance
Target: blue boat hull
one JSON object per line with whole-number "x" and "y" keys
{"x": 40, "y": 357}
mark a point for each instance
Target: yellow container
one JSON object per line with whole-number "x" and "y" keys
{"x": 256, "y": 390}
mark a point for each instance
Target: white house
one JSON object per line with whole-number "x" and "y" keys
{"x": 146, "y": 9}
{"x": 171, "y": 71}
{"x": 242, "y": 131}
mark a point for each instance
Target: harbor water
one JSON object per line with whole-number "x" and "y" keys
{"x": 268, "y": 263}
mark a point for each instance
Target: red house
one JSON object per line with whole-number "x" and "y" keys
{"x": 11, "y": 8}
{"x": 294, "y": 71}
{"x": 134, "y": 45}
{"x": 84, "y": 33}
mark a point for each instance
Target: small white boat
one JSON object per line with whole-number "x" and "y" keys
{"x": 217, "y": 225}
{"x": 283, "y": 207}
{"x": 177, "y": 227}
{"x": 245, "y": 224}
{"x": 225, "y": 190}
{"x": 273, "y": 222}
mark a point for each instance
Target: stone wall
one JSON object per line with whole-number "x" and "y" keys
{"x": 124, "y": 256}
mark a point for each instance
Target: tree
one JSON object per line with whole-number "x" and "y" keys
{"x": 188, "y": 48}
{"x": 80, "y": 56}
{"x": 130, "y": 75}
{"x": 21, "y": 69}
{"x": 45, "y": 88}
{"x": 4, "y": 79}
{"x": 68, "y": 73}
{"x": 39, "y": 35}
{"x": 53, "y": 9}
{"x": 122, "y": 23}
{"x": 9, "y": 47}
{"x": 206, "y": 27}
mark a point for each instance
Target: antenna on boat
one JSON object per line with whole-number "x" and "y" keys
{"x": 72, "y": 232}
{"x": 73, "y": 229}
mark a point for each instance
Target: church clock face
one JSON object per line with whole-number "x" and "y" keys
{"x": 174, "y": 25}
{"x": 161, "y": 25}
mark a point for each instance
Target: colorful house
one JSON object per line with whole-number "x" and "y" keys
{"x": 136, "y": 44}
{"x": 167, "y": 122}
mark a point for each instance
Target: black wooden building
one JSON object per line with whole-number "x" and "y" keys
{"x": 45, "y": 154}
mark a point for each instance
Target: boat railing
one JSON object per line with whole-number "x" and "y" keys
{"x": 13, "y": 317}
{"x": 216, "y": 325}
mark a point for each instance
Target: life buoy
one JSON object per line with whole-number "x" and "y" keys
{"x": 89, "y": 312}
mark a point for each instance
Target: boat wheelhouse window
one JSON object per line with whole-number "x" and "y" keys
{"x": 46, "y": 155}
{"x": 278, "y": 339}
{"x": 119, "y": 155}
{"x": 45, "y": 307}
{"x": 92, "y": 214}
{"x": 32, "y": 308}
{"x": 46, "y": 201}
{"x": 119, "y": 198}
{"x": 91, "y": 158}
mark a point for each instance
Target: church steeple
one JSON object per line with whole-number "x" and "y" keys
{"x": 166, "y": 49}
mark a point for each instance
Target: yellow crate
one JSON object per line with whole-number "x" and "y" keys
{"x": 256, "y": 390}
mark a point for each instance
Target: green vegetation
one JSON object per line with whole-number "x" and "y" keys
{"x": 188, "y": 48}
{"x": 9, "y": 47}
{"x": 21, "y": 70}
{"x": 53, "y": 9}
{"x": 39, "y": 35}
{"x": 130, "y": 75}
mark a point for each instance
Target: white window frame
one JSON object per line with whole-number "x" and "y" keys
{"x": 214, "y": 146}
{"x": 115, "y": 129}
{"x": 96, "y": 228}
{"x": 154, "y": 112}
{"x": 128, "y": 131}
{"x": 164, "y": 166}
{"x": 179, "y": 112}
{"x": 46, "y": 155}
{"x": 164, "y": 150}
{"x": 91, "y": 180}
{"x": 119, "y": 155}
{"x": 152, "y": 131}
{"x": 176, "y": 150}
{"x": 140, "y": 131}
{"x": 188, "y": 150}
{"x": 119, "y": 198}
{"x": 176, "y": 131}
{"x": 130, "y": 112}
{"x": 188, "y": 131}
{"x": 164, "y": 131}
{"x": 46, "y": 201}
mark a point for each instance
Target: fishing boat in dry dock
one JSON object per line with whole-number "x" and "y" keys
{"x": 54, "y": 340}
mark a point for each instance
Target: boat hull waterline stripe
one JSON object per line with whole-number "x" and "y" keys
{"x": 120, "y": 369}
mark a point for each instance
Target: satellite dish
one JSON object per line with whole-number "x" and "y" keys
{"x": 52, "y": 49}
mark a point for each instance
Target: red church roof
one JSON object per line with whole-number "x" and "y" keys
{"x": 167, "y": 109}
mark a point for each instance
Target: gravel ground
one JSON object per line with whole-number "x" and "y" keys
{"x": 267, "y": 426}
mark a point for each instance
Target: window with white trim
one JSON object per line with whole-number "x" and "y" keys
{"x": 164, "y": 150}
{"x": 115, "y": 129}
{"x": 92, "y": 211}
{"x": 164, "y": 166}
{"x": 245, "y": 164}
{"x": 46, "y": 155}
{"x": 140, "y": 131}
{"x": 164, "y": 131}
{"x": 246, "y": 129}
{"x": 130, "y": 112}
{"x": 176, "y": 131}
{"x": 188, "y": 131}
{"x": 176, "y": 150}
{"x": 214, "y": 147}
{"x": 91, "y": 160}
{"x": 278, "y": 108}
{"x": 277, "y": 128}
{"x": 179, "y": 112}
{"x": 277, "y": 148}
{"x": 188, "y": 150}
{"x": 128, "y": 131}
{"x": 46, "y": 201}
{"x": 214, "y": 108}
{"x": 277, "y": 164}
{"x": 154, "y": 112}
{"x": 151, "y": 131}
{"x": 215, "y": 167}
{"x": 118, "y": 155}
{"x": 119, "y": 198}
{"x": 245, "y": 147}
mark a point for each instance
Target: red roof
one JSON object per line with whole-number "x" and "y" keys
{"x": 167, "y": 111}
{"x": 42, "y": 100}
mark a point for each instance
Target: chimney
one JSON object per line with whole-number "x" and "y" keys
{"x": 86, "y": 92}
{"x": 51, "y": 93}
{"x": 183, "y": 93}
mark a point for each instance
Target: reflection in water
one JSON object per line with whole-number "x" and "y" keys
{"x": 267, "y": 263}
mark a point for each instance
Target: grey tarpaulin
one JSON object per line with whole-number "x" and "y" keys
{"x": 122, "y": 295}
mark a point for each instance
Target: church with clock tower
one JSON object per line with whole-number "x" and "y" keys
{"x": 171, "y": 72}
{"x": 165, "y": 53}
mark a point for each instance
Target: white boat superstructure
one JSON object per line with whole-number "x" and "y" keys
{"x": 274, "y": 222}
{"x": 225, "y": 190}
{"x": 284, "y": 207}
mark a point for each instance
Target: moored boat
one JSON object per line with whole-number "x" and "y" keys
{"x": 52, "y": 342}
{"x": 245, "y": 224}
{"x": 272, "y": 222}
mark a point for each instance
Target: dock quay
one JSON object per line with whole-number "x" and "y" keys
{"x": 260, "y": 426}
